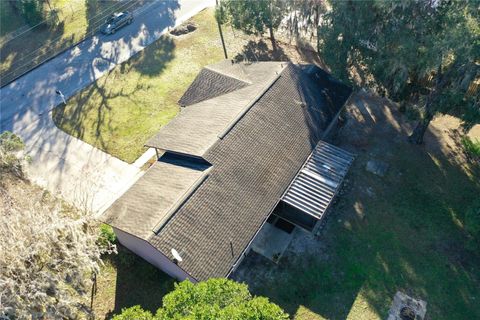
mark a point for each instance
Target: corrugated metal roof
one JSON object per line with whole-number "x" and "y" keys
{"x": 318, "y": 181}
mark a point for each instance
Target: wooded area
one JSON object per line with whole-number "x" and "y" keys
{"x": 420, "y": 54}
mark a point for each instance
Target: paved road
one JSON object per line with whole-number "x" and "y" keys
{"x": 81, "y": 173}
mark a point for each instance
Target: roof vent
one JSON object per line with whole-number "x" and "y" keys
{"x": 176, "y": 256}
{"x": 300, "y": 103}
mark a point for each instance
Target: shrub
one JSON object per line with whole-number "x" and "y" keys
{"x": 107, "y": 236}
{"x": 10, "y": 146}
{"x": 47, "y": 259}
{"x": 471, "y": 147}
{"x": 215, "y": 299}
{"x": 134, "y": 313}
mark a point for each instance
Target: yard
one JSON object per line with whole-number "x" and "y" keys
{"x": 30, "y": 46}
{"x": 401, "y": 232}
{"x": 131, "y": 103}
{"x": 404, "y": 231}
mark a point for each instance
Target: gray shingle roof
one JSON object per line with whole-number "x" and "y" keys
{"x": 198, "y": 127}
{"x": 148, "y": 202}
{"x": 209, "y": 84}
{"x": 255, "y": 139}
{"x": 251, "y": 168}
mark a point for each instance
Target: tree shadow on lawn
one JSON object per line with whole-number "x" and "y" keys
{"x": 137, "y": 282}
{"x": 403, "y": 232}
{"x": 91, "y": 109}
{"x": 27, "y": 50}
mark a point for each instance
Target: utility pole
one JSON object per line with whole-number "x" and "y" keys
{"x": 53, "y": 11}
{"x": 220, "y": 30}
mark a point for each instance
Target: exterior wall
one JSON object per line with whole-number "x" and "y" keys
{"x": 333, "y": 126}
{"x": 295, "y": 216}
{"x": 145, "y": 250}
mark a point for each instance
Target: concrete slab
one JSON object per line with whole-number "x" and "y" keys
{"x": 377, "y": 167}
{"x": 405, "y": 307}
{"x": 271, "y": 242}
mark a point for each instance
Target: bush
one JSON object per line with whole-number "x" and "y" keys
{"x": 215, "y": 299}
{"x": 10, "y": 145}
{"x": 471, "y": 147}
{"x": 134, "y": 313}
{"x": 107, "y": 236}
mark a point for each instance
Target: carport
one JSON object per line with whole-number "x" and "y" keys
{"x": 308, "y": 198}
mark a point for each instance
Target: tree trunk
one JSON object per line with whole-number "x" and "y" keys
{"x": 417, "y": 135}
{"x": 272, "y": 38}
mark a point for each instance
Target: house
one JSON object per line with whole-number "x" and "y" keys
{"x": 246, "y": 144}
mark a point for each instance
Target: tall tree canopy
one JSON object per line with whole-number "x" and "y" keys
{"x": 252, "y": 16}
{"x": 419, "y": 51}
{"x": 258, "y": 16}
{"x": 215, "y": 299}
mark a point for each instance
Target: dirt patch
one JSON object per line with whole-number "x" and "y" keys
{"x": 184, "y": 28}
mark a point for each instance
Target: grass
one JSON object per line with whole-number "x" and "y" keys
{"x": 130, "y": 104}
{"x": 77, "y": 18}
{"x": 471, "y": 146}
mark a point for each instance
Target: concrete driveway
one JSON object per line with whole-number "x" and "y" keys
{"x": 80, "y": 173}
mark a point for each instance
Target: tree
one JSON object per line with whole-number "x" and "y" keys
{"x": 31, "y": 10}
{"x": 215, "y": 299}
{"x": 252, "y": 16}
{"x": 49, "y": 251}
{"x": 303, "y": 16}
{"x": 134, "y": 313}
{"x": 425, "y": 52}
{"x": 10, "y": 146}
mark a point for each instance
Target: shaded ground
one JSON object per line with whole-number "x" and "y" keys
{"x": 401, "y": 232}
{"x": 127, "y": 280}
{"x": 9, "y": 20}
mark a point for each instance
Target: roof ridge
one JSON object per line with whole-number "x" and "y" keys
{"x": 252, "y": 102}
{"x": 210, "y": 68}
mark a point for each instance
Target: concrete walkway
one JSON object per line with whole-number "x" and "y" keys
{"x": 82, "y": 174}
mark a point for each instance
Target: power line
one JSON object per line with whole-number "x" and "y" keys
{"x": 128, "y": 4}
{"x": 2, "y": 43}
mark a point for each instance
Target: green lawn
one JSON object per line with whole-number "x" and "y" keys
{"x": 130, "y": 104}
{"x": 77, "y": 18}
